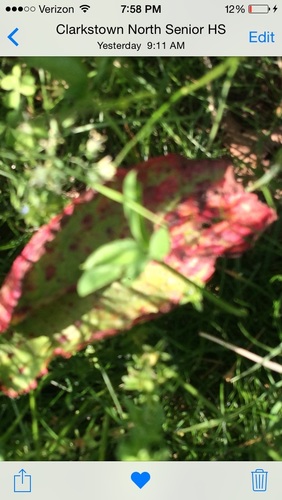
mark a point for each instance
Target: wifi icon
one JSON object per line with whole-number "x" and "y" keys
{"x": 84, "y": 7}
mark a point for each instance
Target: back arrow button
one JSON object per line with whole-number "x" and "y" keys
{"x": 10, "y": 36}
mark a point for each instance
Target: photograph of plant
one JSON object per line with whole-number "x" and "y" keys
{"x": 140, "y": 285}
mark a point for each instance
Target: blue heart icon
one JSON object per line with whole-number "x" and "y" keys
{"x": 140, "y": 478}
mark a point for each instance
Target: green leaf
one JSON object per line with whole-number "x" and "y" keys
{"x": 97, "y": 278}
{"x": 70, "y": 69}
{"x": 115, "y": 260}
{"x": 119, "y": 252}
{"x": 159, "y": 245}
{"x": 8, "y": 175}
{"x": 27, "y": 87}
{"x": 9, "y": 82}
{"x": 13, "y": 99}
{"x": 132, "y": 191}
{"x": 17, "y": 71}
{"x": 134, "y": 269}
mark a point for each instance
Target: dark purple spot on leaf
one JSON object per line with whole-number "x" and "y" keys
{"x": 50, "y": 272}
{"x": 73, "y": 247}
{"x": 49, "y": 248}
{"x": 64, "y": 220}
{"x": 87, "y": 221}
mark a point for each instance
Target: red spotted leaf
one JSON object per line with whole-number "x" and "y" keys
{"x": 41, "y": 315}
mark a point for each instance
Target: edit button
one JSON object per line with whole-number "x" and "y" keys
{"x": 264, "y": 37}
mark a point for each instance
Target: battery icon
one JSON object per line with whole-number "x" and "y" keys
{"x": 258, "y": 8}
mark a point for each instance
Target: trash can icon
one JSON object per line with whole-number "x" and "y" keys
{"x": 259, "y": 480}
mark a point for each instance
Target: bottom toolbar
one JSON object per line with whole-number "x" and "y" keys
{"x": 146, "y": 480}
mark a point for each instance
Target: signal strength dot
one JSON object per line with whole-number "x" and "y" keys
{"x": 14, "y": 9}
{"x": 84, "y": 7}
